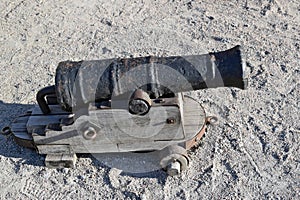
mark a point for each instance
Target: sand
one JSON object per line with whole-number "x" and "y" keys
{"x": 252, "y": 153}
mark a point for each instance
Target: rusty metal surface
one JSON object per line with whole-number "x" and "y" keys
{"x": 193, "y": 142}
{"x": 82, "y": 82}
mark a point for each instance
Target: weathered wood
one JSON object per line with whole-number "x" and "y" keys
{"x": 55, "y": 149}
{"x": 22, "y": 119}
{"x": 193, "y": 117}
{"x": 121, "y": 126}
{"x": 20, "y": 122}
{"x": 119, "y": 131}
{"x": 55, "y": 110}
{"x": 144, "y": 145}
{"x": 41, "y": 121}
{"x": 78, "y": 148}
{"x": 22, "y": 135}
{"x": 60, "y": 160}
{"x": 18, "y": 127}
{"x": 70, "y": 159}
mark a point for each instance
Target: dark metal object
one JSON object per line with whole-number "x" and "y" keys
{"x": 41, "y": 98}
{"x": 6, "y": 131}
{"x": 139, "y": 103}
{"x": 102, "y": 92}
{"x": 171, "y": 120}
{"x": 78, "y": 83}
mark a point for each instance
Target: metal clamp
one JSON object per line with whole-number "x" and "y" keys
{"x": 40, "y": 97}
{"x": 6, "y": 131}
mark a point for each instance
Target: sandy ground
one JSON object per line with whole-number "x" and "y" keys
{"x": 253, "y": 153}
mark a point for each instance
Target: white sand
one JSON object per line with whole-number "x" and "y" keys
{"x": 252, "y": 153}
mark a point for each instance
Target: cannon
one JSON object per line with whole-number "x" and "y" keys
{"x": 127, "y": 105}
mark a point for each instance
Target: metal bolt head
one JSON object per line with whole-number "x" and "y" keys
{"x": 174, "y": 168}
{"x": 90, "y": 133}
{"x": 171, "y": 120}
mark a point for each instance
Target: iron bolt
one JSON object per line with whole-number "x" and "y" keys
{"x": 89, "y": 133}
{"x": 171, "y": 120}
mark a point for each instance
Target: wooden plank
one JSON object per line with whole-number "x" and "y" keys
{"x": 95, "y": 148}
{"x": 69, "y": 160}
{"x": 22, "y": 119}
{"x": 60, "y": 160}
{"x": 77, "y": 144}
{"x": 121, "y": 126}
{"x": 118, "y": 130}
{"x": 18, "y": 127}
{"x": 61, "y": 137}
{"x": 55, "y": 110}
{"x": 144, "y": 146}
{"x": 194, "y": 117}
{"x": 57, "y": 137}
{"x": 55, "y": 149}
{"x": 53, "y": 157}
{"x": 78, "y": 148}
{"x": 23, "y": 135}
{"x": 41, "y": 121}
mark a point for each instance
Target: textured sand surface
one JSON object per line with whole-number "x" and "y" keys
{"x": 253, "y": 152}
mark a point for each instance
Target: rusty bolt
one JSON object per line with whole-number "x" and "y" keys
{"x": 171, "y": 120}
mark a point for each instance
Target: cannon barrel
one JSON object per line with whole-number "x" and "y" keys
{"x": 88, "y": 81}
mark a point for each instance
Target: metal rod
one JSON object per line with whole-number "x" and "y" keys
{"x": 41, "y": 95}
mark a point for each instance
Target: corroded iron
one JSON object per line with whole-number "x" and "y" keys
{"x": 78, "y": 83}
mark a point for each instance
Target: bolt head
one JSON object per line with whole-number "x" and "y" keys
{"x": 89, "y": 133}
